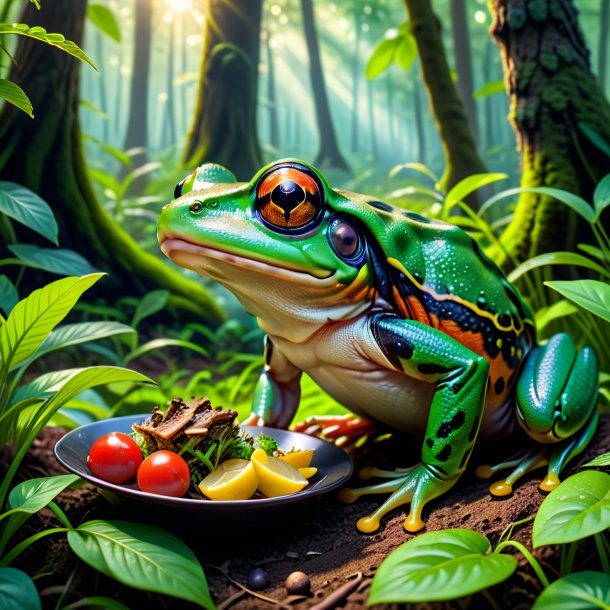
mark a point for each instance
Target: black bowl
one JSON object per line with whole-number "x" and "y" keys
{"x": 333, "y": 464}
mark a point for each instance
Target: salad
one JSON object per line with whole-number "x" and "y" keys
{"x": 199, "y": 450}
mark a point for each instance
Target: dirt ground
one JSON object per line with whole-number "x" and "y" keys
{"x": 319, "y": 540}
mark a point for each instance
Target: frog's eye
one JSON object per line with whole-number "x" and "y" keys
{"x": 344, "y": 239}
{"x": 288, "y": 198}
{"x": 185, "y": 185}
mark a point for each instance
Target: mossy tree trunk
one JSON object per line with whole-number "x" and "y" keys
{"x": 45, "y": 155}
{"x": 552, "y": 94}
{"x": 459, "y": 150}
{"x": 224, "y": 126}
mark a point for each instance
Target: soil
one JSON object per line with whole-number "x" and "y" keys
{"x": 320, "y": 541}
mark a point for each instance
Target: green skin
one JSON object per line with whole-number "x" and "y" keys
{"x": 401, "y": 319}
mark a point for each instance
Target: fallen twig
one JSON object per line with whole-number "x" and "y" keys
{"x": 231, "y": 600}
{"x": 330, "y": 602}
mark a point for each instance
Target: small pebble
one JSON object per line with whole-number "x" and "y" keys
{"x": 292, "y": 555}
{"x": 257, "y": 579}
{"x": 298, "y": 583}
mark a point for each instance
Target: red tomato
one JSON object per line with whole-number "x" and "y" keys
{"x": 115, "y": 457}
{"x": 164, "y": 473}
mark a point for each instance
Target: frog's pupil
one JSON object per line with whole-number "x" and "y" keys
{"x": 344, "y": 238}
{"x": 288, "y": 195}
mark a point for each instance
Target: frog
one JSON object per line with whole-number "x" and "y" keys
{"x": 401, "y": 318}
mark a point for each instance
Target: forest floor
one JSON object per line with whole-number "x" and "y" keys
{"x": 321, "y": 540}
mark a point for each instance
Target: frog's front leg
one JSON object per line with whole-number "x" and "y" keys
{"x": 278, "y": 391}
{"x": 460, "y": 376}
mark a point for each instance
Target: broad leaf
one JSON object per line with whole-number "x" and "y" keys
{"x": 470, "y": 184}
{"x": 34, "y": 494}
{"x": 17, "y": 590}
{"x": 15, "y": 95}
{"x": 43, "y": 386}
{"x": 151, "y": 303}
{"x": 601, "y": 196}
{"x": 556, "y": 258}
{"x": 592, "y": 295}
{"x": 75, "y": 334}
{"x": 546, "y": 315}
{"x": 491, "y": 88}
{"x": 601, "y": 461}
{"x": 103, "y": 19}
{"x": 117, "y": 153}
{"x": 9, "y": 296}
{"x": 406, "y": 51}
{"x": 579, "y": 591}
{"x": 418, "y": 167}
{"x": 438, "y": 566}
{"x": 577, "y": 508}
{"x": 53, "y": 260}
{"x": 156, "y": 344}
{"x": 142, "y": 556}
{"x": 55, "y": 40}
{"x": 382, "y": 57}
{"x": 595, "y": 137}
{"x": 29, "y": 209}
{"x": 34, "y": 317}
{"x": 99, "y": 601}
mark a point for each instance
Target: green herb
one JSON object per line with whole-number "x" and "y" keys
{"x": 267, "y": 444}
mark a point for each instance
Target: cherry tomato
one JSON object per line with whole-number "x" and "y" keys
{"x": 114, "y": 457}
{"x": 164, "y": 473}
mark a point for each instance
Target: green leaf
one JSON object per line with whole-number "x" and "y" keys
{"x": 601, "y": 196}
{"x": 143, "y": 557}
{"x": 151, "y": 303}
{"x": 34, "y": 494}
{"x": 601, "y": 461}
{"x": 381, "y": 58}
{"x": 592, "y": 295}
{"x": 470, "y": 184}
{"x": 438, "y": 566}
{"x": 406, "y": 51}
{"x": 98, "y": 601}
{"x": 9, "y": 296}
{"x": 15, "y": 95}
{"x": 53, "y": 260}
{"x": 17, "y": 590}
{"x": 29, "y": 209}
{"x": 75, "y": 334}
{"x": 561, "y": 309}
{"x": 43, "y": 386}
{"x": 106, "y": 180}
{"x": 556, "y": 258}
{"x": 595, "y": 138}
{"x": 418, "y": 167}
{"x": 34, "y": 317}
{"x": 580, "y": 591}
{"x": 55, "y": 40}
{"x": 103, "y": 19}
{"x": 491, "y": 88}
{"x": 93, "y": 108}
{"x": 156, "y": 344}
{"x": 577, "y": 508}
{"x": 118, "y": 154}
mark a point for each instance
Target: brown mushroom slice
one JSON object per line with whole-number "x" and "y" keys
{"x": 202, "y": 420}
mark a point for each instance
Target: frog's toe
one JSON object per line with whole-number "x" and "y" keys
{"x": 550, "y": 483}
{"x": 368, "y": 472}
{"x": 368, "y": 524}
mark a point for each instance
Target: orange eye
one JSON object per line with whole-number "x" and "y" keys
{"x": 288, "y": 198}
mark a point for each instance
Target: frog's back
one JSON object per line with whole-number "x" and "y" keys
{"x": 435, "y": 273}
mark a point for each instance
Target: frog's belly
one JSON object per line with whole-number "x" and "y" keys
{"x": 379, "y": 394}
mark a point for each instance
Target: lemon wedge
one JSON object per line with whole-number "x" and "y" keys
{"x": 232, "y": 480}
{"x": 276, "y": 477}
{"x": 307, "y": 472}
{"x": 298, "y": 459}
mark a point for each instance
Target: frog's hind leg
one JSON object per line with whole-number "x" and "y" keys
{"x": 556, "y": 395}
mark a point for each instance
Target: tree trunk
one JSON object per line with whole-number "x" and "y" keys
{"x": 463, "y": 63}
{"x": 99, "y": 40}
{"x": 329, "y": 154}
{"x": 603, "y": 42}
{"x": 274, "y": 129}
{"x": 419, "y": 125}
{"x": 459, "y": 150}
{"x": 356, "y": 83}
{"x": 552, "y": 91}
{"x": 224, "y": 125}
{"x": 168, "y": 138}
{"x": 136, "y": 135}
{"x": 46, "y": 156}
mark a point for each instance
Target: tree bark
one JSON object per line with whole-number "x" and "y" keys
{"x": 136, "y": 135}
{"x": 552, "y": 91}
{"x": 329, "y": 154}
{"x": 274, "y": 128}
{"x": 45, "y": 155}
{"x": 224, "y": 125}
{"x": 463, "y": 63}
{"x": 459, "y": 150}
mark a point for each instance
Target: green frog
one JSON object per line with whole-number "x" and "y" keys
{"x": 401, "y": 318}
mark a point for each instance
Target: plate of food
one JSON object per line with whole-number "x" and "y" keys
{"x": 196, "y": 458}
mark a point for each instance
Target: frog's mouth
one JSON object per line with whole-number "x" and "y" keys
{"x": 189, "y": 255}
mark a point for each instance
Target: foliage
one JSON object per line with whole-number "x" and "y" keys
{"x": 398, "y": 45}
{"x": 103, "y": 18}
{"x": 579, "y": 591}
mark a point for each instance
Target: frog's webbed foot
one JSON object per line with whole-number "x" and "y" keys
{"x": 349, "y": 431}
{"x": 556, "y": 456}
{"x": 415, "y": 486}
